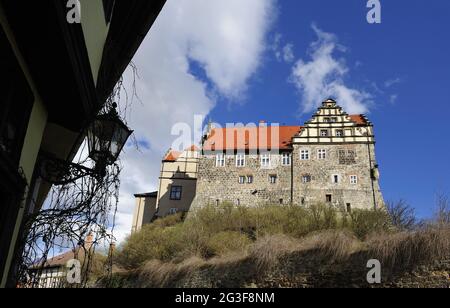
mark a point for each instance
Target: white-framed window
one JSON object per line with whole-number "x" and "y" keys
{"x": 322, "y": 154}
{"x": 304, "y": 154}
{"x": 306, "y": 178}
{"x": 242, "y": 179}
{"x": 240, "y": 160}
{"x": 335, "y": 178}
{"x": 220, "y": 160}
{"x": 339, "y": 133}
{"x": 265, "y": 160}
{"x": 324, "y": 133}
{"x": 286, "y": 159}
{"x": 273, "y": 179}
{"x": 354, "y": 179}
{"x": 250, "y": 179}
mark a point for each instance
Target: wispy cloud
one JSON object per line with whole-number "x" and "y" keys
{"x": 284, "y": 52}
{"x": 226, "y": 39}
{"x": 393, "y": 98}
{"x": 323, "y": 76}
{"x": 391, "y": 82}
{"x": 288, "y": 53}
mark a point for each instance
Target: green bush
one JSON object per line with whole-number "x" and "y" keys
{"x": 226, "y": 242}
{"x": 152, "y": 242}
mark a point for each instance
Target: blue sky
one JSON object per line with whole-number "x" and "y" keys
{"x": 403, "y": 63}
{"x": 225, "y": 60}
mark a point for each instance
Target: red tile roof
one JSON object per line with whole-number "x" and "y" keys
{"x": 172, "y": 156}
{"x": 358, "y": 119}
{"x": 257, "y": 138}
{"x": 251, "y": 138}
{"x": 193, "y": 148}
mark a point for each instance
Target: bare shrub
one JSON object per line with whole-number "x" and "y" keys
{"x": 402, "y": 215}
{"x": 443, "y": 210}
{"x": 322, "y": 217}
{"x": 364, "y": 222}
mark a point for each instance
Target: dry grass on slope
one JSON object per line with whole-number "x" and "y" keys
{"x": 234, "y": 247}
{"x": 405, "y": 250}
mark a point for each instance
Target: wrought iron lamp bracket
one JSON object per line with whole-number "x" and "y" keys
{"x": 60, "y": 172}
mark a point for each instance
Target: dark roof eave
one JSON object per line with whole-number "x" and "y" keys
{"x": 130, "y": 19}
{"x": 147, "y": 195}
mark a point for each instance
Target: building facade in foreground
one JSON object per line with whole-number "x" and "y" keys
{"x": 56, "y": 76}
{"x": 330, "y": 160}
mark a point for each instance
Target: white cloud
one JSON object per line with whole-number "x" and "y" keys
{"x": 323, "y": 77}
{"x": 226, "y": 39}
{"x": 288, "y": 53}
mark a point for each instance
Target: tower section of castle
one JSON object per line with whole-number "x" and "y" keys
{"x": 334, "y": 161}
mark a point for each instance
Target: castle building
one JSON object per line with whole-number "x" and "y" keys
{"x": 176, "y": 190}
{"x": 330, "y": 160}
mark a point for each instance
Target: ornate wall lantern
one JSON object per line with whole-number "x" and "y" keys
{"x": 106, "y": 136}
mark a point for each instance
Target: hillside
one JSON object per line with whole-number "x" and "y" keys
{"x": 283, "y": 247}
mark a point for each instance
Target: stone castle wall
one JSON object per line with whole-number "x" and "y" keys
{"x": 322, "y": 171}
{"x": 221, "y": 184}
